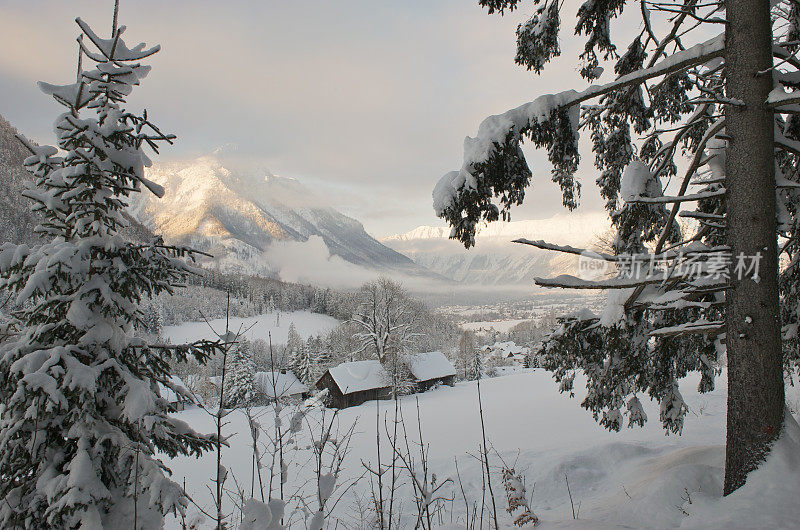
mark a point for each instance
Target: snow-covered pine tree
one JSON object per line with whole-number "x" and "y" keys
{"x": 718, "y": 104}
{"x": 81, "y": 419}
{"x": 240, "y": 388}
{"x": 294, "y": 342}
{"x": 304, "y": 363}
{"x": 152, "y": 317}
{"x": 477, "y": 366}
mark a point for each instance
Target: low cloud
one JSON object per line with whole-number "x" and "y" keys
{"x": 312, "y": 262}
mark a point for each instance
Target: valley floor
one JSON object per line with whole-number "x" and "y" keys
{"x": 638, "y": 478}
{"x": 274, "y": 325}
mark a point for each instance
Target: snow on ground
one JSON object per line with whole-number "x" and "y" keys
{"x": 257, "y": 327}
{"x": 638, "y": 478}
{"x": 502, "y": 326}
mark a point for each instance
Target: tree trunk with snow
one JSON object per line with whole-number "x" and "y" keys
{"x": 755, "y": 379}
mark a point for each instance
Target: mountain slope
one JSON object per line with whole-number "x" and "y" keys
{"x": 495, "y": 260}
{"x": 16, "y": 219}
{"x": 237, "y": 215}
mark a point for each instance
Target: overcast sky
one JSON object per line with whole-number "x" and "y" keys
{"x": 368, "y": 101}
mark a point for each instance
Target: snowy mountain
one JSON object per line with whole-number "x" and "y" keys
{"x": 495, "y": 260}
{"x": 251, "y": 220}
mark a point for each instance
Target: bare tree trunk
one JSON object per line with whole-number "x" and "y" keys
{"x": 755, "y": 379}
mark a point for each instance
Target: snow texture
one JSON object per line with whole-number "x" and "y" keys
{"x": 257, "y": 327}
{"x": 357, "y": 376}
{"x": 635, "y": 180}
{"x": 763, "y": 498}
{"x": 636, "y": 478}
{"x": 429, "y": 365}
{"x": 170, "y": 395}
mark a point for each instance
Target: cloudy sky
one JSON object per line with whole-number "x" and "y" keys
{"x": 368, "y": 102}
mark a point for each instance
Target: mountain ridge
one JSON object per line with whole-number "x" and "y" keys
{"x": 239, "y": 214}
{"x": 495, "y": 259}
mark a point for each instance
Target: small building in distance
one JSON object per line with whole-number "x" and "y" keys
{"x": 353, "y": 383}
{"x": 177, "y": 400}
{"x": 431, "y": 368}
{"x": 506, "y": 350}
{"x": 282, "y": 384}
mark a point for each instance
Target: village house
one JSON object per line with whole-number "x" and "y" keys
{"x": 353, "y": 383}
{"x": 430, "y": 369}
{"x": 506, "y": 350}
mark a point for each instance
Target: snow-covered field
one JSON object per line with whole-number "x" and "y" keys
{"x": 502, "y": 326}
{"x": 638, "y": 478}
{"x": 273, "y": 324}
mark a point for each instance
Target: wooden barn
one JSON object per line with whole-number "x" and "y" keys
{"x": 431, "y": 368}
{"x": 354, "y": 383}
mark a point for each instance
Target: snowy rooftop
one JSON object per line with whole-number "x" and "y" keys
{"x": 507, "y": 348}
{"x": 169, "y": 394}
{"x": 357, "y": 376}
{"x": 283, "y": 384}
{"x": 430, "y": 365}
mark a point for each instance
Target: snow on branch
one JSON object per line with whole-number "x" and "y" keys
{"x": 780, "y": 98}
{"x": 792, "y": 146}
{"x": 566, "y": 249}
{"x": 114, "y": 49}
{"x": 679, "y": 198}
{"x": 495, "y": 167}
{"x": 696, "y": 327}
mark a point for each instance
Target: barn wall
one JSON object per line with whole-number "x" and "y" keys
{"x": 335, "y": 397}
{"x": 422, "y": 386}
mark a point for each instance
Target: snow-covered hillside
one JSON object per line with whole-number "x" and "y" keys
{"x": 16, "y": 219}
{"x": 274, "y": 325}
{"x": 495, "y": 260}
{"x": 237, "y": 214}
{"x": 637, "y": 478}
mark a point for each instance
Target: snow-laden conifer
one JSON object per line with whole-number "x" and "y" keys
{"x": 81, "y": 419}
{"x": 304, "y": 362}
{"x": 240, "y": 388}
{"x": 696, "y": 120}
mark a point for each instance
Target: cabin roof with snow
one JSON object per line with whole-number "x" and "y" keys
{"x": 283, "y": 384}
{"x": 357, "y": 376}
{"x": 170, "y": 395}
{"x": 429, "y": 365}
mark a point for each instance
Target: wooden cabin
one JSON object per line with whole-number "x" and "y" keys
{"x": 430, "y": 369}
{"x": 354, "y": 383}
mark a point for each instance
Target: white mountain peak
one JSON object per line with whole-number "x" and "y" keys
{"x": 236, "y": 210}
{"x": 564, "y": 228}
{"x": 495, "y": 260}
